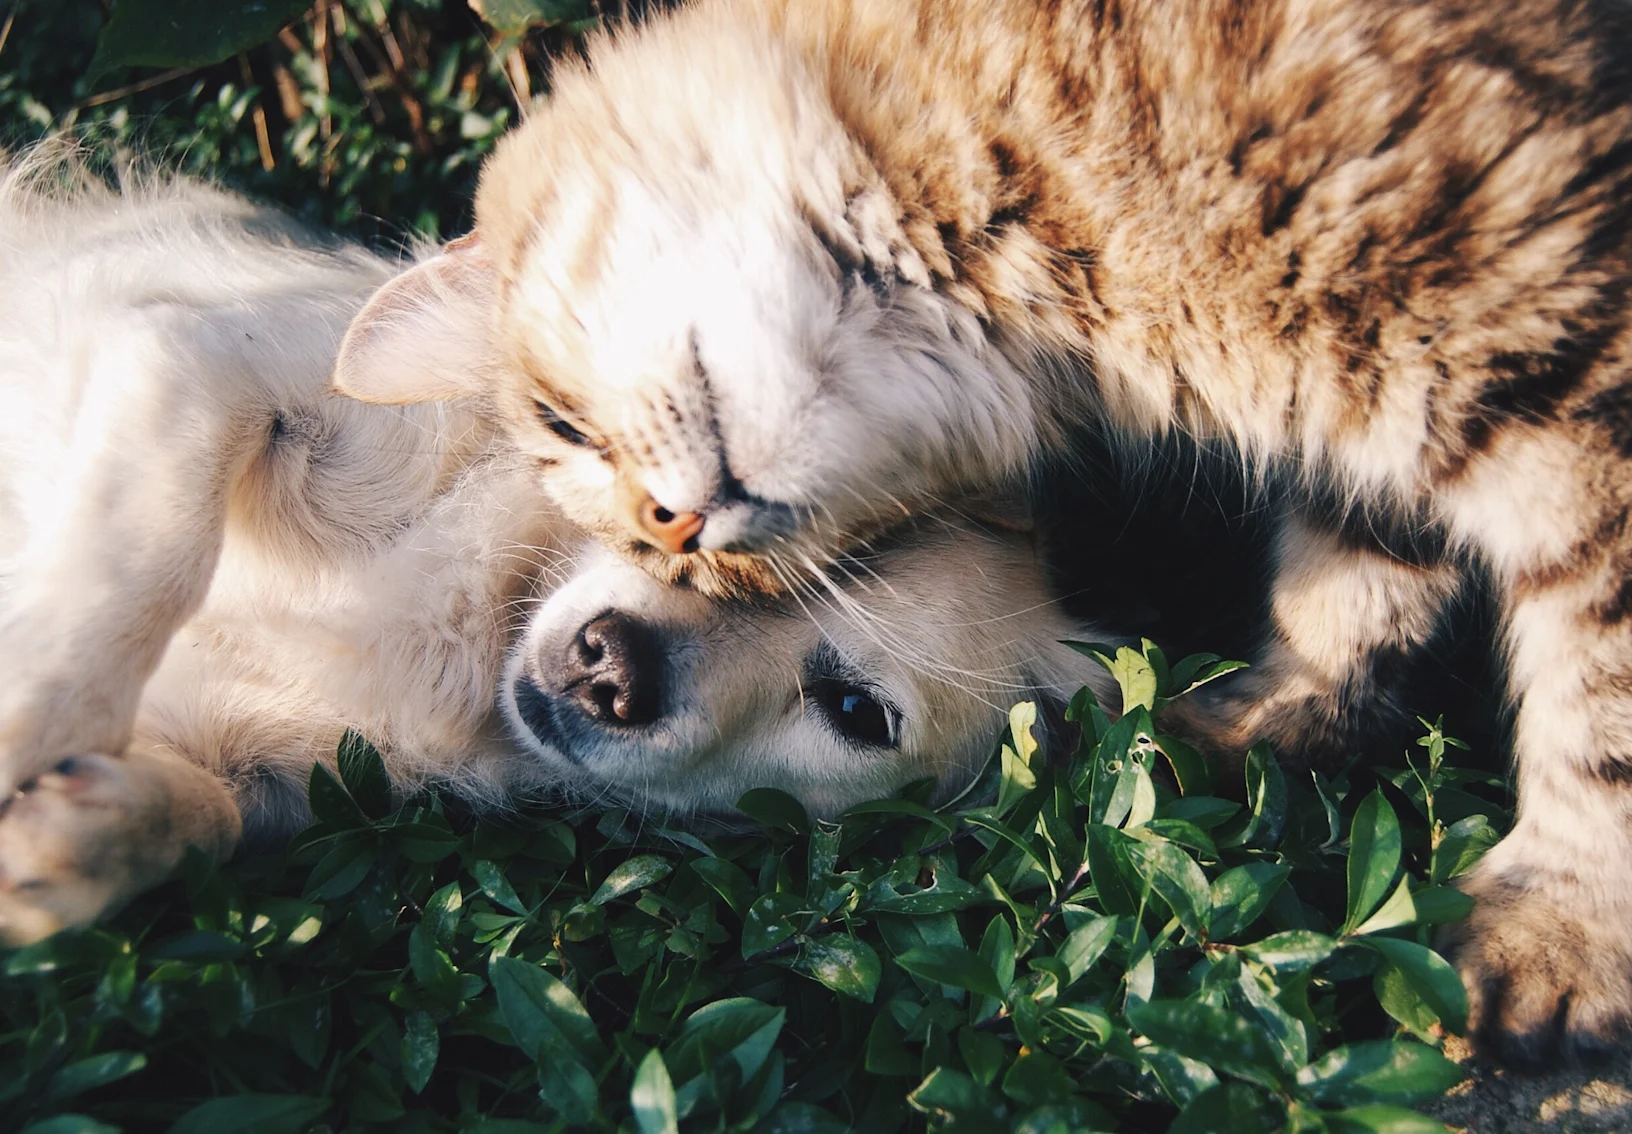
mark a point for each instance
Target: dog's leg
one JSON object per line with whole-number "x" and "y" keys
{"x": 123, "y": 534}
{"x": 1344, "y": 615}
{"x": 94, "y": 831}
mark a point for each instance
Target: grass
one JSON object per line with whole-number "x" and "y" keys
{"x": 1108, "y": 942}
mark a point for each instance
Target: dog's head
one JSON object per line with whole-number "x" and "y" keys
{"x": 899, "y": 668}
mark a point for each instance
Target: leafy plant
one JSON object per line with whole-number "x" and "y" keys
{"x": 1102, "y": 944}
{"x": 346, "y": 111}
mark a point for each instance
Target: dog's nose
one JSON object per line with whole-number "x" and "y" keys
{"x": 614, "y": 671}
{"x": 674, "y": 532}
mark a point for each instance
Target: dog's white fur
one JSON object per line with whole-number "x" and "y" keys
{"x": 210, "y": 567}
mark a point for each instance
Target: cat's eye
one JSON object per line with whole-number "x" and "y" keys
{"x": 560, "y": 426}
{"x": 855, "y": 712}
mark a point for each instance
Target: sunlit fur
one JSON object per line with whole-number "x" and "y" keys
{"x": 804, "y": 266}
{"x": 210, "y": 568}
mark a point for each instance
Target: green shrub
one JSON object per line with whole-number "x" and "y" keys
{"x": 370, "y": 116}
{"x": 1109, "y": 945}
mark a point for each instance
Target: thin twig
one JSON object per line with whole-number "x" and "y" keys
{"x": 325, "y": 123}
{"x": 11, "y": 18}
{"x": 135, "y": 88}
{"x": 263, "y": 136}
{"x": 358, "y": 75}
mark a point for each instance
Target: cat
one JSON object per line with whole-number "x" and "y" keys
{"x": 211, "y": 569}
{"x": 765, "y": 276}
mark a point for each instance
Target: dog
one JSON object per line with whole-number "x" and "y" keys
{"x": 211, "y": 568}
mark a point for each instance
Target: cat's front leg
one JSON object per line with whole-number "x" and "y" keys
{"x": 1345, "y": 613}
{"x": 94, "y": 830}
{"x": 1546, "y": 954}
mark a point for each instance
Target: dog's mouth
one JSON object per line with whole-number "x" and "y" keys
{"x": 537, "y": 712}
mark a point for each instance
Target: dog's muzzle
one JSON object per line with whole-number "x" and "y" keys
{"x": 610, "y": 678}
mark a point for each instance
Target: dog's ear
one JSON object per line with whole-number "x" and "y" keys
{"x": 424, "y": 336}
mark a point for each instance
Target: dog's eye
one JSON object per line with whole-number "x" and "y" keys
{"x": 856, "y": 713}
{"x": 560, "y": 426}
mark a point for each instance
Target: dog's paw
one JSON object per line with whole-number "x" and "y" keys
{"x": 1548, "y": 974}
{"x": 69, "y": 846}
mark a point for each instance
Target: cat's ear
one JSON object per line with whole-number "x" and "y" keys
{"x": 423, "y": 337}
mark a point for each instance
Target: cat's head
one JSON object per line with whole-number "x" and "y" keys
{"x": 898, "y": 669}
{"x": 695, "y": 301}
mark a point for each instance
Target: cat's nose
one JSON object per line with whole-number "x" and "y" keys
{"x": 674, "y": 532}
{"x": 614, "y": 671}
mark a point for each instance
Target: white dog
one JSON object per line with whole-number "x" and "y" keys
{"x": 211, "y": 567}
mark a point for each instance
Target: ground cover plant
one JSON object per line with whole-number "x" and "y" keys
{"x": 1109, "y": 937}
{"x": 1098, "y": 940}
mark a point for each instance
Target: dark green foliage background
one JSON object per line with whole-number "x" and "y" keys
{"x": 1116, "y": 943}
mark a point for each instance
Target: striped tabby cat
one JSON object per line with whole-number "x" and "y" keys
{"x": 767, "y": 275}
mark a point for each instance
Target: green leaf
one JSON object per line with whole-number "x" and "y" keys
{"x": 997, "y": 950}
{"x": 1018, "y": 778}
{"x": 642, "y": 870}
{"x": 1118, "y": 767}
{"x": 490, "y": 877}
{"x": 1229, "y": 1108}
{"x": 1189, "y": 768}
{"x": 1265, "y": 821}
{"x": 1175, "y": 876}
{"x": 420, "y": 1046}
{"x": 515, "y": 17}
{"x": 1133, "y": 673}
{"x": 432, "y": 966}
{"x": 88, "y": 1074}
{"x": 1441, "y": 905}
{"x": 954, "y": 965}
{"x": 885, "y": 1054}
{"x": 771, "y": 920}
{"x": 1429, "y": 976}
{"x": 1187, "y": 679}
{"x": 728, "y": 880}
{"x": 185, "y": 33}
{"x": 775, "y": 809}
{"x": 952, "y": 1096}
{"x": 1086, "y": 944}
{"x": 1401, "y": 1001}
{"x": 651, "y": 1097}
{"x": 1374, "y": 857}
{"x": 740, "y": 1027}
{"x": 1380, "y": 1120}
{"x": 1463, "y": 844}
{"x": 361, "y": 769}
{"x": 1205, "y": 811}
{"x": 845, "y": 964}
{"x": 1240, "y": 896}
{"x": 1397, "y": 911}
{"x": 1110, "y": 864}
{"x": 800, "y": 1118}
{"x": 1216, "y": 1036}
{"x": 70, "y": 1124}
{"x": 1037, "y": 1078}
{"x": 342, "y": 870}
{"x": 543, "y": 1015}
{"x": 1291, "y": 951}
{"x": 1381, "y": 1071}
{"x": 251, "y": 1114}
{"x": 983, "y": 1053}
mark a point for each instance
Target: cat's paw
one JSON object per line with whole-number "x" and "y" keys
{"x": 1548, "y": 972}
{"x": 70, "y": 845}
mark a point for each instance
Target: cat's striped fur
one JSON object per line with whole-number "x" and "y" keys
{"x": 798, "y": 266}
